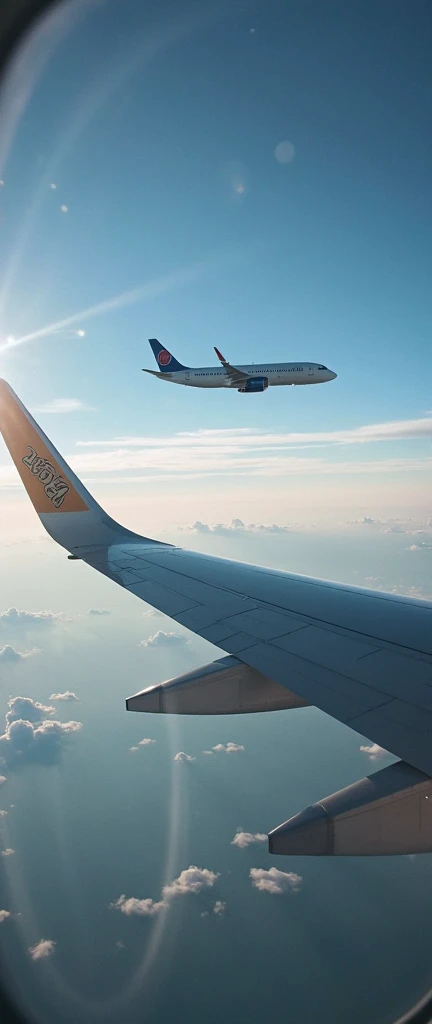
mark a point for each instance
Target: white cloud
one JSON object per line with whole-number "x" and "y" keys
{"x": 2, "y": 812}
{"x": 146, "y": 742}
{"x": 29, "y": 738}
{"x": 4, "y": 914}
{"x": 407, "y": 525}
{"x": 275, "y": 881}
{"x": 64, "y": 208}
{"x": 8, "y": 852}
{"x": 191, "y": 880}
{"x": 164, "y": 639}
{"x": 68, "y": 695}
{"x": 99, "y": 611}
{"x": 42, "y": 949}
{"x": 246, "y": 451}
{"x": 182, "y": 757}
{"x": 243, "y": 839}
{"x": 53, "y": 185}
{"x": 285, "y": 152}
{"x": 237, "y": 526}
{"x": 228, "y": 748}
{"x": 61, "y": 406}
{"x": 28, "y": 709}
{"x": 10, "y": 656}
{"x": 421, "y": 546}
{"x": 2, "y": 782}
{"x": 219, "y": 908}
{"x": 133, "y": 907}
{"x": 19, "y": 618}
{"x": 374, "y": 751}
{"x": 241, "y": 438}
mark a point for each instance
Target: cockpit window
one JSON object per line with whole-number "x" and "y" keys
{"x": 322, "y": 367}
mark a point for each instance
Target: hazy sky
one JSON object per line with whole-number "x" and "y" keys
{"x": 256, "y": 177}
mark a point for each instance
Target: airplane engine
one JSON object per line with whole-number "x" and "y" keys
{"x": 254, "y": 384}
{"x": 224, "y": 687}
{"x": 389, "y": 812}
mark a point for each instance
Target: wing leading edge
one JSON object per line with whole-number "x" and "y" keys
{"x": 363, "y": 657}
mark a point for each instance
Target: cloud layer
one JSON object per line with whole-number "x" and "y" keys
{"x": 251, "y": 451}
{"x": 237, "y": 526}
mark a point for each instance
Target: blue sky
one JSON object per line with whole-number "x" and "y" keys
{"x": 159, "y": 127}
{"x": 182, "y": 224}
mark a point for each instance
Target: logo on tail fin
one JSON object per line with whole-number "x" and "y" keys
{"x": 54, "y": 486}
{"x": 164, "y": 357}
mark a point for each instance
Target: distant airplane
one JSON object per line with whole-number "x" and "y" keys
{"x": 248, "y": 379}
{"x": 364, "y": 657}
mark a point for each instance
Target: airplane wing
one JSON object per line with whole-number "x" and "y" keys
{"x": 234, "y": 375}
{"x": 363, "y": 657}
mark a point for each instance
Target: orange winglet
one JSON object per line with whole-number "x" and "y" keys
{"x": 42, "y": 471}
{"x": 219, "y": 355}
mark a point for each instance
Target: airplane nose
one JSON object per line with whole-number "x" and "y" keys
{"x": 332, "y": 375}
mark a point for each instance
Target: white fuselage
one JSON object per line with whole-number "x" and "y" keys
{"x": 275, "y": 373}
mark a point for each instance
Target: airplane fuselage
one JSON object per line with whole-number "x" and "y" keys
{"x": 274, "y": 373}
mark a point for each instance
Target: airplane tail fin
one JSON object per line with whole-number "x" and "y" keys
{"x": 65, "y": 507}
{"x": 167, "y": 363}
